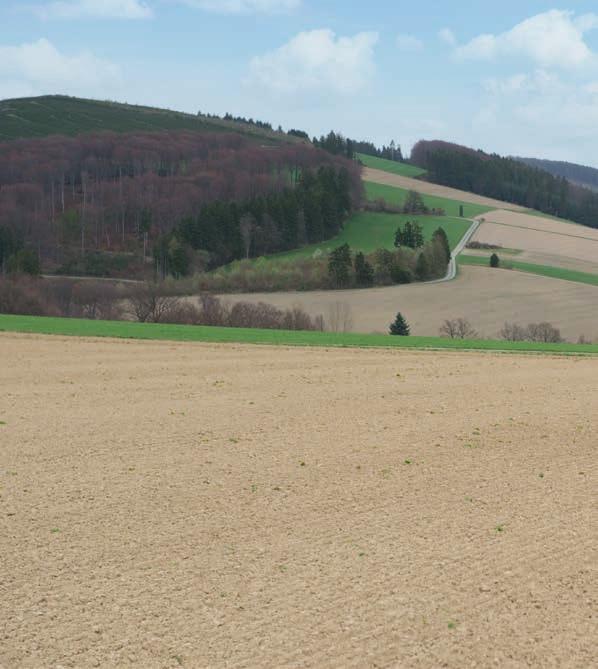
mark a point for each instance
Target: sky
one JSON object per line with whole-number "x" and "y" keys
{"x": 511, "y": 77}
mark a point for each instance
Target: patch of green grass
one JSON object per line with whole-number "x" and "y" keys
{"x": 542, "y": 270}
{"x": 2, "y": 422}
{"x": 368, "y": 231}
{"x": 195, "y": 333}
{"x": 402, "y": 169}
{"x": 396, "y": 196}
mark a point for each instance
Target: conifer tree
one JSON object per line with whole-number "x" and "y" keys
{"x": 422, "y": 268}
{"x": 399, "y": 326}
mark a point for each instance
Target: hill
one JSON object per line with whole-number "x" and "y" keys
{"x": 581, "y": 175}
{"x": 505, "y": 179}
{"x": 61, "y": 115}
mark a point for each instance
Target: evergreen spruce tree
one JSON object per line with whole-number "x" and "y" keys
{"x": 400, "y": 326}
{"x": 364, "y": 272}
{"x": 441, "y": 236}
{"x": 339, "y": 265}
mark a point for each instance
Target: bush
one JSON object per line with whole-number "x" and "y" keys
{"x": 494, "y": 260}
{"x": 25, "y": 296}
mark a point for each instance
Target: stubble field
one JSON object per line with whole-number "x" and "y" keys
{"x": 199, "y": 505}
{"x": 545, "y": 240}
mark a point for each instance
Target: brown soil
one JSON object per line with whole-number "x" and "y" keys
{"x": 167, "y": 505}
{"x": 543, "y": 236}
{"x": 381, "y": 177}
{"x": 484, "y": 296}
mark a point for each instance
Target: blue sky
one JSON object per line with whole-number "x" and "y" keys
{"x": 511, "y": 77}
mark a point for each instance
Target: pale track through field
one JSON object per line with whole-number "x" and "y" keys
{"x": 235, "y": 506}
{"x": 388, "y": 179}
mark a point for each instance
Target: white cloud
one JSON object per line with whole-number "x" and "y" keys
{"x": 552, "y": 39}
{"x": 39, "y": 68}
{"x": 540, "y": 82}
{"x": 95, "y": 9}
{"x": 243, "y": 6}
{"x": 447, "y": 36}
{"x": 409, "y": 43}
{"x": 317, "y": 60}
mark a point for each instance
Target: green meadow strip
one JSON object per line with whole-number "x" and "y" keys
{"x": 192, "y": 333}
{"x": 542, "y": 270}
{"x": 391, "y": 166}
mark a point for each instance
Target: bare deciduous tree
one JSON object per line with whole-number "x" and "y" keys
{"x": 150, "y": 303}
{"x": 513, "y": 332}
{"x": 340, "y": 317}
{"x": 458, "y": 328}
{"x": 544, "y": 332}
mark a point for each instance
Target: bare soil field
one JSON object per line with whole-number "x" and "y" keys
{"x": 485, "y": 296}
{"x": 574, "y": 244}
{"x": 168, "y": 505}
{"x": 381, "y": 177}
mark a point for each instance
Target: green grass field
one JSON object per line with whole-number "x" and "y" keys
{"x": 542, "y": 270}
{"x": 368, "y": 231}
{"x": 156, "y": 331}
{"x": 61, "y": 115}
{"x": 402, "y": 169}
{"x": 396, "y": 196}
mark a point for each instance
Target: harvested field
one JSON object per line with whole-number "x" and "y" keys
{"x": 196, "y": 505}
{"x": 574, "y": 244}
{"x": 388, "y": 179}
{"x": 487, "y": 297}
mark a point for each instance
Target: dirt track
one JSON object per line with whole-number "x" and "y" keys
{"x": 381, "y": 177}
{"x": 485, "y": 296}
{"x": 167, "y": 505}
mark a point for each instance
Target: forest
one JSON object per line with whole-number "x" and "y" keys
{"x": 506, "y": 179}
{"x": 69, "y": 198}
{"x": 578, "y": 174}
{"x": 339, "y": 145}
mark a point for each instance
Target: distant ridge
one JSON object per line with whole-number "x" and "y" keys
{"x": 578, "y": 174}
{"x": 23, "y": 118}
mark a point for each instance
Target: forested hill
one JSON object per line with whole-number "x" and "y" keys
{"x": 505, "y": 179}
{"x": 61, "y": 115}
{"x": 578, "y": 174}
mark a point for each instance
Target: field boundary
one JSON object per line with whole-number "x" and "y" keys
{"x": 550, "y": 271}
{"x": 194, "y": 333}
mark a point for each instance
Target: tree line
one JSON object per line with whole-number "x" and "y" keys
{"x": 506, "y": 179}
{"x": 338, "y": 145}
{"x": 314, "y": 210}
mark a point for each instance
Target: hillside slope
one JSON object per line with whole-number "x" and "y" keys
{"x": 578, "y": 174}
{"x": 437, "y": 190}
{"x": 62, "y": 115}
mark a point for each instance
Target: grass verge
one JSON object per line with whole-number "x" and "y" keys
{"x": 402, "y": 169}
{"x": 158, "y": 331}
{"x": 368, "y": 231}
{"x": 396, "y": 196}
{"x": 542, "y": 270}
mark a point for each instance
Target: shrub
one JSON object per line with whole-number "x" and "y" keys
{"x": 494, "y": 260}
